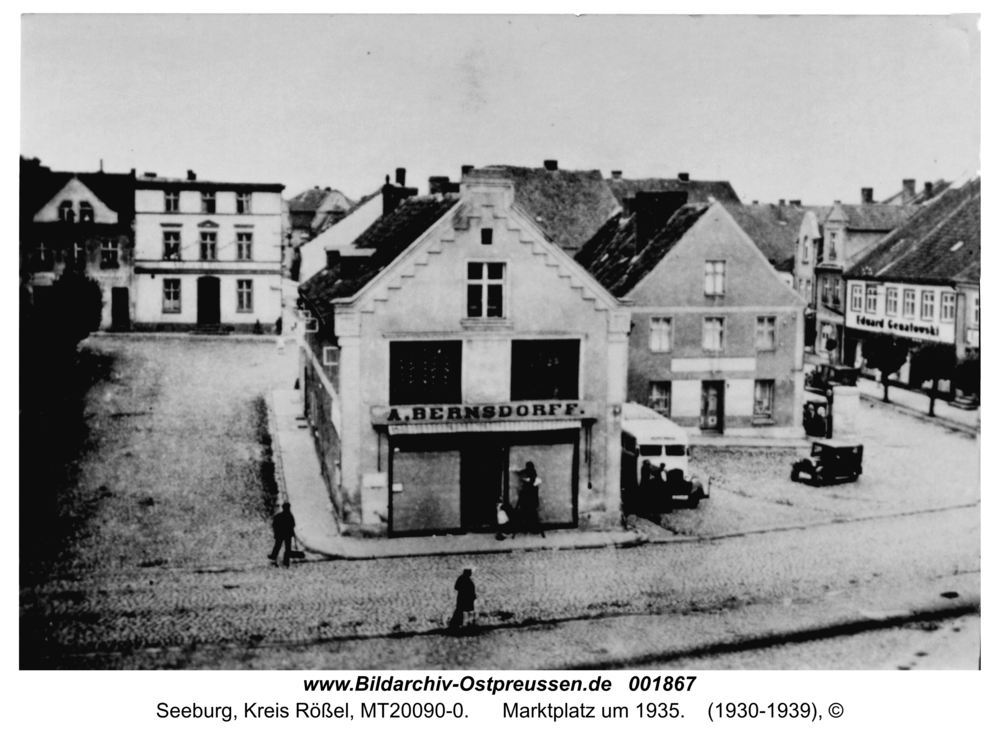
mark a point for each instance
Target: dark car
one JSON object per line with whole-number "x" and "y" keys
{"x": 827, "y": 376}
{"x": 830, "y": 460}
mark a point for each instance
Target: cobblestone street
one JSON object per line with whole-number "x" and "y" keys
{"x": 173, "y": 554}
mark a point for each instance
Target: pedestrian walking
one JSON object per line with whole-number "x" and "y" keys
{"x": 284, "y": 530}
{"x": 527, "y": 499}
{"x": 465, "y": 604}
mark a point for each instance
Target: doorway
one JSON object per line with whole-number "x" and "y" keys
{"x": 712, "y": 406}
{"x": 120, "y": 309}
{"x": 484, "y": 461}
{"x": 208, "y": 300}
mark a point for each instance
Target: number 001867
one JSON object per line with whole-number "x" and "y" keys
{"x": 661, "y": 683}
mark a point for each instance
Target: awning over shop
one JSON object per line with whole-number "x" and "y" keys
{"x": 438, "y": 428}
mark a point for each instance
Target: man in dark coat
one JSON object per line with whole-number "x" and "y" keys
{"x": 284, "y": 530}
{"x": 527, "y": 499}
{"x": 466, "y": 602}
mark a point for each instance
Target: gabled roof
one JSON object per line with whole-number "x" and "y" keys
{"x": 568, "y": 206}
{"x": 389, "y": 236}
{"x": 309, "y": 200}
{"x": 875, "y": 217}
{"x": 610, "y": 256}
{"x": 773, "y": 228}
{"x": 335, "y": 216}
{"x": 698, "y": 191}
{"x": 117, "y": 191}
{"x": 941, "y": 242}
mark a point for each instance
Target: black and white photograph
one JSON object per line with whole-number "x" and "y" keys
{"x": 395, "y": 343}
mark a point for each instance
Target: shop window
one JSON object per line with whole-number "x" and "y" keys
{"x": 86, "y": 212}
{"x": 715, "y": 278}
{"x": 209, "y": 241}
{"x": 659, "y": 334}
{"x": 171, "y": 245}
{"x": 659, "y": 397}
{"x": 172, "y": 296}
{"x": 891, "y": 301}
{"x": 948, "y": 307}
{"x": 909, "y": 303}
{"x": 244, "y": 246}
{"x": 109, "y": 253}
{"x": 926, "y": 305}
{"x": 171, "y": 201}
{"x": 871, "y": 298}
{"x": 713, "y": 334}
{"x": 544, "y": 369}
{"x": 244, "y": 295}
{"x": 486, "y": 281}
{"x": 763, "y": 399}
{"x": 425, "y": 372}
{"x": 856, "y": 297}
{"x": 765, "y": 337}
{"x": 208, "y": 202}
{"x": 243, "y": 203}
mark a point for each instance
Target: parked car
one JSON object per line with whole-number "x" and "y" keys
{"x": 830, "y": 460}
{"x": 826, "y": 376}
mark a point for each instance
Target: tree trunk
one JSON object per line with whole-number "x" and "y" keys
{"x": 885, "y": 388}
{"x": 934, "y": 387}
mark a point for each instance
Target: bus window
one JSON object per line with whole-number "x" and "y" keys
{"x": 675, "y": 450}
{"x": 650, "y": 450}
{"x": 628, "y": 442}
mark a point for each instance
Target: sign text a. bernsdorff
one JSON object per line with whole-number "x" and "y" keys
{"x": 402, "y": 415}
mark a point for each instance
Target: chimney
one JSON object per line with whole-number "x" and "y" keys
{"x": 616, "y": 174}
{"x": 149, "y": 174}
{"x": 652, "y": 211}
{"x": 466, "y": 168}
{"x": 756, "y": 202}
{"x": 928, "y": 189}
{"x": 438, "y": 185}
{"x": 332, "y": 259}
{"x": 781, "y": 203}
{"x": 909, "y": 189}
{"x": 191, "y": 176}
{"x": 390, "y": 197}
{"x": 132, "y": 173}
{"x": 401, "y": 177}
{"x": 684, "y": 176}
{"x": 551, "y": 165}
{"x": 868, "y": 195}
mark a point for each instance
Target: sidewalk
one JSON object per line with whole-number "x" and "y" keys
{"x": 298, "y": 475}
{"x": 916, "y": 405}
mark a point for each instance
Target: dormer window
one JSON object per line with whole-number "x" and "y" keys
{"x": 66, "y": 213}
{"x": 243, "y": 203}
{"x": 86, "y": 212}
{"x": 208, "y": 202}
{"x": 172, "y": 201}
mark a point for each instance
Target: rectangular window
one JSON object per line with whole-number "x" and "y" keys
{"x": 244, "y": 295}
{"x": 828, "y": 338}
{"x": 826, "y": 291}
{"x": 659, "y": 334}
{"x": 486, "y": 236}
{"x": 715, "y": 278}
{"x": 809, "y": 291}
{"x": 891, "y": 301}
{"x": 763, "y": 399}
{"x": 659, "y": 397}
{"x": 909, "y": 303}
{"x": 544, "y": 369}
{"x": 109, "y": 253}
{"x": 171, "y": 201}
{"x": 172, "y": 295}
{"x": 713, "y": 334}
{"x": 871, "y": 298}
{"x": 425, "y": 372}
{"x": 926, "y": 305}
{"x": 43, "y": 257}
{"x": 765, "y": 339}
{"x": 485, "y": 281}
{"x": 856, "y": 297}
{"x": 975, "y": 310}
{"x": 805, "y": 249}
{"x": 209, "y": 241}
{"x": 244, "y": 246}
{"x": 208, "y": 202}
{"x": 243, "y": 203}
{"x": 171, "y": 245}
{"x": 948, "y": 307}
{"x": 79, "y": 254}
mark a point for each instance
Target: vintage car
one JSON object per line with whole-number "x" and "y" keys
{"x": 827, "y": 376}
{"x": 830, "y": 460}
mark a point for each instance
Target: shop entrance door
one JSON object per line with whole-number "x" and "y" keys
{"x": 208, "y": 300}
{"x": 483, "y": 465}
{"x": 712, "y": 411}
{"x": 119, "y": 308}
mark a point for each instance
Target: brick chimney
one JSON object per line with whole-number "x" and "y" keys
{"x": 781, "y": 203}
{"x": 652, "y": 211}
{"x": 928, "y": 189}
{"x": 192, "y": 176}
{"x": 551, "y": 165}
{"x": 393, "y": 194}
{"x": 616, "y": 173}
{"x": 401, "y": 177}
{"x": 466, "y": 168}
{"x": 867, "y": 195}
{"x": 441, "y": 185}
{"x": 909, "y": 189}
{"x": 684, "y": 176}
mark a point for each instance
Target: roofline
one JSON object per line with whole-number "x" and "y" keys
{"x": 929, "y": 280}
{"x": 201, "y": 186}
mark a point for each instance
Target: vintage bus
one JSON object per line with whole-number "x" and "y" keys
{"x": 667, "y": 480}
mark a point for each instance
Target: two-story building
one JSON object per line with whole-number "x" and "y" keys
{"x": 921, "y": 282}
{"x": 716, "y": 334}
{"x": 464, "y": 345}
{"x": 79, "y": 222}
{"x": 207, "y": 254}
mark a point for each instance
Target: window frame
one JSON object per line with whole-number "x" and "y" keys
{"x": 949, "y": 300}
{"x": 486, "y": 236}
{"x": 208, "y": 238}
{"x": 244, "y": 296}
{"x": 243, "y": 200}
{"x": 857, "y": 298}
{"x": 528, "y": 348}
{"x": 721, "y": 333}
{"x": 401, "y": 394}
{"x": 763, "y": 321}
{"x": 652, "y": 399}
{"x": 769, "y": 386}
{"x": 171, "y": 200}
{"x": 244, "y": 239}
{"x": 892, "y": 301}
{"x": 66, "y": 212}
{"x": 208, "y": 203}
{"x": 909, "y": 303}
{"x": 87, "y": 209}
{"x": 927, "y": 305}
{"x": 661, "y": 319}
{"x": 168, "y": 283}
{"x": 805, "y": 249}
{"x": 871, "y": 299}
{"x": 166, "y": 253}
{"x": 484, "y": 282}
{"x": 715, "y": 277}
{"x": 109, "y": 246}
{"x": 975, "y": 310}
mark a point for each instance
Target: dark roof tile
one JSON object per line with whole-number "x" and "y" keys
{"x": 698, "y": 191}
{"x": 773, "y": 228}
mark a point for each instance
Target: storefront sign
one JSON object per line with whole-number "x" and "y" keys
{"x": 903, "y": 328}
{"x": 509, "y": 411}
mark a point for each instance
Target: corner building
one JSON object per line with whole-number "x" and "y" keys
{"x": 466, "y": 345}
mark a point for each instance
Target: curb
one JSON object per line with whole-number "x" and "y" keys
{"x": 937, "y": 420}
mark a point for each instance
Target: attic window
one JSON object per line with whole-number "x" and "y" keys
{"x": 86, "y": 212}
{"x": 486, "y": 234}
{"x": 66, "y": 211}
{"x": 957, "y": 246}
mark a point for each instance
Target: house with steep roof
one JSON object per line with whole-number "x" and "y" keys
{"x": 312, "y": 208}
{"x": 775, "y": 231}
{"x": 921, "y": 281}
{"x": 909, "y": 195}
{"x": 716, "y": 335}
{"x": 79, "y": 221}
{"x": 698, "y": 190}
{"x": 455, "y": 346}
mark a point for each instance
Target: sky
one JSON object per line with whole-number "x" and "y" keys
{"x": 810, "y": 107}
